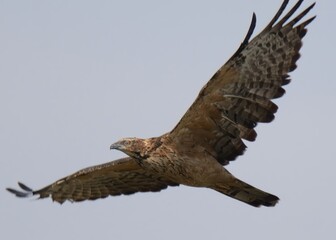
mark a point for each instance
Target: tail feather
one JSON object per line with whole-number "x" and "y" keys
{"x": 246, "y": 193}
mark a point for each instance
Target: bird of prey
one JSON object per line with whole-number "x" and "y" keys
{"x": 211, "y": 132}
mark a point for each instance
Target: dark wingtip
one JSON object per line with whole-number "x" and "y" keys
{"x": 304, "y": 24}
{"x": 301, "y": 15}
{"x": 27, "y": 192}
{"x": 290, "y": 13}
{"x": 247, "y": 37}
{"x": 277, "y": 15}
{"x": 24, "y": 187}
{"x": 250, "y": 31}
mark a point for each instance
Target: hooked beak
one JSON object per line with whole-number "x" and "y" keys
{"x": 116, "y": 145}
{"x": 120, "y": 145}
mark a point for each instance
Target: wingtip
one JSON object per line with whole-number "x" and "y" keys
{"x": 248, "y": 35}
{"x": 254, "y": 16}
{"x": 308, "y": 21}
{"x": 27, "y": 192}
{"x": 312, "y": 5}
{"x": 24, "y": 187}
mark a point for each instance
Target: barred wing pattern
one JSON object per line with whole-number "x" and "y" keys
{"x": 239, "y": 95}
{"x": 224, "y": 114}
{"x": 123, "y": 176}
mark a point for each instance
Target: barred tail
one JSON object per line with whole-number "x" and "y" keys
{"x": 246, "y": 193}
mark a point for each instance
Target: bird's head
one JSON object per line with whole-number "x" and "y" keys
{"x": 133, "y": 147}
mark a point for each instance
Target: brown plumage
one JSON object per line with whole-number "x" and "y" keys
{"x": 211, "y": 132}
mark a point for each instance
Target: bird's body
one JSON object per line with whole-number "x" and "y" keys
{"x": 193, "y": 166}
{"x": 182, "y": 167}
{"x": 211, "y": 132}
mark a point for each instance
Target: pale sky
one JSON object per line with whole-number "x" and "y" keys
{"x": 76, "y": 76}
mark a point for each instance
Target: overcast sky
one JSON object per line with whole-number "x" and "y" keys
{"x": 76, "y": 76}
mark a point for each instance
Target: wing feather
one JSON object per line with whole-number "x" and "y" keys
{"x": 123, "y": 176}
{"x": 240, "y": 93}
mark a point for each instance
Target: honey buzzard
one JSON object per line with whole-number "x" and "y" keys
{"x": 211, "y": 132}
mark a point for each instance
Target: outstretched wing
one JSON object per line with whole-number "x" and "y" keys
{"x": 123, "y": 176}
{"x": 239, "y": 95}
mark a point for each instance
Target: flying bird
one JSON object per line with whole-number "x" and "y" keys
{"x": 211, "y": 132}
